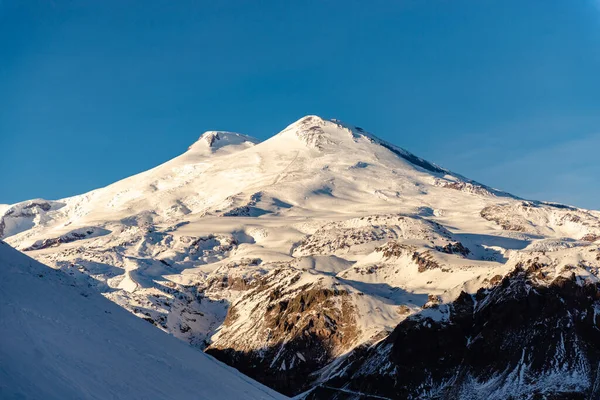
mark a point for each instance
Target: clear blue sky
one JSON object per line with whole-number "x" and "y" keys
{"x": 505, "y": 92}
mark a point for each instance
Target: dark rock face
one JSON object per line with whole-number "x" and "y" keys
{"x": 287, "y": 379}
{"x": 411, "y": 158}
{"x": 455, "y": 248}
{"x": 395, "y": 249}
{"x": 425, "y": 261}
{"x": 303, "y": 333}
{"x": 523, "y": 338}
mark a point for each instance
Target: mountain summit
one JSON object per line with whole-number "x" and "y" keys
{"x": 216, "y": 140}
{"x": 223, "y": 170}
{"x": 329, "y": 260}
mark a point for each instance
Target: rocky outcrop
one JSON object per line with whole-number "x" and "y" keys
{"x": 495, "y": 214}
{"x": 425, "y": 261}
{"x": 292, "y": 331}
{"x": 394, "y": 249}
{"x": 78, "y": 234}
{"x": 469, "y": 187}
{"x": 455, "y": 248}
{"x": 590, "y": 237}
{"x": 526, "y": 337}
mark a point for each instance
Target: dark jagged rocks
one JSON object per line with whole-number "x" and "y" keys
{"x": 523, "y": 338}
{"x": 455, "y": 248}
{"x": 304, "y": 333}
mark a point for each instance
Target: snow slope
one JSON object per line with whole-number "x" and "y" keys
{"x": 61, "y": 341}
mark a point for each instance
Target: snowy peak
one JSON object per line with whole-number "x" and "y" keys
{"x": 312, "y": 132}
{"x": 336, "y": 136}
{"x": 213, "y": 141}
{"x": 308, "y": 164}
{"x": 316, "y": 132}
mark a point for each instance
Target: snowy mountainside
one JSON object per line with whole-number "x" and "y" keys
{"x": 283, "y": 257}
{"x": 63, "y": 341}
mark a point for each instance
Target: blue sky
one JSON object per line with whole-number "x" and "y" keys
{"x": 505, "y": 92}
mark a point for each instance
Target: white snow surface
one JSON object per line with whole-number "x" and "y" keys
{"x": 61, "y": 341}
{"x": 3, "y": 208}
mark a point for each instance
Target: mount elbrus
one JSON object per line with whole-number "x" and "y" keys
{"x": 328, "y": 262}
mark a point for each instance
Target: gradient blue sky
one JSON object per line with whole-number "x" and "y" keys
{"x": 506, "y": 92}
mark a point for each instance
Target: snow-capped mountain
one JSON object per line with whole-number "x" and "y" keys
{"x": 63, "y": 341}
{"x": 289, "y": 258}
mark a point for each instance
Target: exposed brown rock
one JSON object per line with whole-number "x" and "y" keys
{"x": 425, "y": 261}
{"x": 302, "y": 331}
{"x": 394, "y": 249}
{"x": 455, "y": 248}
{"x": 590, "y": 237}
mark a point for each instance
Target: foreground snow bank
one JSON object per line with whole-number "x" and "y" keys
{"x": 59, "y": 341}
